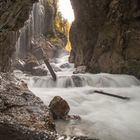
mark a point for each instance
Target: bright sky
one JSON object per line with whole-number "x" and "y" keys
{"x": 66, "y": 10}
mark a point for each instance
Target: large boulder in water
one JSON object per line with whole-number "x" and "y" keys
{"x": 59, "y": 107}
{"x": 65, "y": 65}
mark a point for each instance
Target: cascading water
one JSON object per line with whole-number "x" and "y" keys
{"x": 104, "y": 117}
{"x": 39, "y": 24}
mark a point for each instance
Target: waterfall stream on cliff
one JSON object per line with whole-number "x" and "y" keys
{"x": 39, "y": 24}
{"x": 102, "y": 116}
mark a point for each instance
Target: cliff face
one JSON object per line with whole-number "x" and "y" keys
{"x": 13, "y": 14}
{"x": 38, "y": 30}
{"x": 105, "y": 36}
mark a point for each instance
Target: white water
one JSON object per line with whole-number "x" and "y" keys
{"x": 104, "y": 117}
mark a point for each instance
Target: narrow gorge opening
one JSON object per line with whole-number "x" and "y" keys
{"x": 66, "y": 10}
{"x": 65, "y": 7}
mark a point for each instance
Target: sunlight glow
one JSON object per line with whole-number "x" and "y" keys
{"x": 66, "y": 10}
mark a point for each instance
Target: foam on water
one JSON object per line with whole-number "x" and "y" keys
{"x": 104, "y": 117}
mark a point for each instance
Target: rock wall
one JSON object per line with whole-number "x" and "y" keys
{"x": 105, "y": 36}
{"x": 25, "y": 25}
{"x": 23, "y": 115}
{"x": 13, "y": 14}
{"x": 7, "y": 43}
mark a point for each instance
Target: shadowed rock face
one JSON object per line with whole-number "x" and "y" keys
{"x": 7, "y": 43}
{"x": 105, "y": 36}
{"x": 13, "y": 14}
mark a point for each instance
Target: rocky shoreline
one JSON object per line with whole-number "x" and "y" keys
{"x": 24, "y": 116}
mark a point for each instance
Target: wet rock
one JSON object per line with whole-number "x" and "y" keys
{"x": 66, "y": 65}
{"x": 59, "y": 107}
{"x": 78, "y": 82}
{"x": 72, "y": 117}
{"x": 23, "y": 85}
{"x": 80, "y": 69}
{"x": 38, "y": 71}
{"x": 30, "y": 62}
{"x": 29, "y": 66}
{"x": 23, "y": 115}
{"x": 18, "y": 64}
{"x": 64, "y": 137}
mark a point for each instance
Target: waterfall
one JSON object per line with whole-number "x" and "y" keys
{"x": 40, "y": 23}
{"x": 102, "y": 116}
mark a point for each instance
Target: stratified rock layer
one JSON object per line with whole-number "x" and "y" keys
{"x": 105, "y": 36}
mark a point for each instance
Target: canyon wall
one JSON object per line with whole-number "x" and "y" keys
{"x": 105, "y": 36}
{"x": 28, "y": 26}
{"x": 13, "y": 14}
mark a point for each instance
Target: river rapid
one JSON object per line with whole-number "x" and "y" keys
{"x": 104, "y": 117}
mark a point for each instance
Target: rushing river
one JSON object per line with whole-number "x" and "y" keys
{"x": 104, "y": 117}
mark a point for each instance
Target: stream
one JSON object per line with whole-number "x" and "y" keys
{"x": 103, "y": 117}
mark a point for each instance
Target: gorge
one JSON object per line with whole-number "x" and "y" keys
{"x": 105, "y": 56}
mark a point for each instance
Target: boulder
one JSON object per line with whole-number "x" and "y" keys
{"x": 72, "y": 117}
{"x": 59, "y": 107}
{"x": 30, "y": 64}
{"x": 80, "y": 69}
{"x": 65, "y": 65}
{"x": 18, "y": 64}
{"x": 38, "y": 71}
